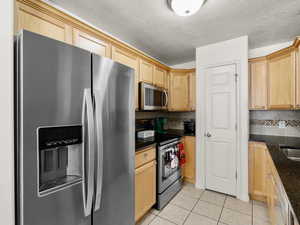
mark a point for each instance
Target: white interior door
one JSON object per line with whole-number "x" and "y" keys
{"x": 220, "y": 135}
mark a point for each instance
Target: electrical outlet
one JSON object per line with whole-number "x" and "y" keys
{"x": 282, "y": 124}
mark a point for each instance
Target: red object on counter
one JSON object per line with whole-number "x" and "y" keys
{"x": 181, "y": 156}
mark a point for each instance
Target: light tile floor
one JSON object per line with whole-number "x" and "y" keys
{"x": 192, "y": 206}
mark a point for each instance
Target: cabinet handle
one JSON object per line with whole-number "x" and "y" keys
{"x": 145, "y": 167}
{"x": 259, "y": 107}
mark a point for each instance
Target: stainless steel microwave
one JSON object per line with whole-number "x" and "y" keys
{"x": 152, "y": 97}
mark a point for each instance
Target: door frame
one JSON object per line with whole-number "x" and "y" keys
{"x": 241, "y": 160}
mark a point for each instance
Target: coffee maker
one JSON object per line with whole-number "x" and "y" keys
{"x": 189, "y": 127}
{"x": 159, "y": 125}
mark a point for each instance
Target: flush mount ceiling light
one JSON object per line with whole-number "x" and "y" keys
{"x": 185, "y": 7}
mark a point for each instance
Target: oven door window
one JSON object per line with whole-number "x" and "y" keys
{"x": 170, "y": 163}
{"x": 153, "y": 97}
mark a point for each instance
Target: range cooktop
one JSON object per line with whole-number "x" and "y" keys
{"x": 159, "y": 139}
{"x": 163, "y": 139}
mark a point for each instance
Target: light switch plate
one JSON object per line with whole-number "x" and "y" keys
{"x": 282, "y": 124}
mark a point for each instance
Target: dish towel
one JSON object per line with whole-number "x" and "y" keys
{"x": 181, "y": 154}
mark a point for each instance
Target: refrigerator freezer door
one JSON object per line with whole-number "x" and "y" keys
{"x": 113, "y": 87}
{"x": 51, "y": 78}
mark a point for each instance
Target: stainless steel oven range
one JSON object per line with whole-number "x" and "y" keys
{"x": 169, "y": 180}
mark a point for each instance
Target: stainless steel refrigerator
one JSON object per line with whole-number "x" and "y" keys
{"x": 74, "y": 130}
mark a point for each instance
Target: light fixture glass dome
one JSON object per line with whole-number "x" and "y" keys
{"x": 186, "y": 7}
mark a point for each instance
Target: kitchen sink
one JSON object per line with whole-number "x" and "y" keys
{"x": 292, "y": 153}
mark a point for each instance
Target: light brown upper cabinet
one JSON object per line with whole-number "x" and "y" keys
{"x": 125, "y": 57}
{"x": 281, "y": 79}
{"x": 146, "y": 71}
{"x": 91, "y": 43}
{"x": 192, "y": 91}
{"x": 159, "y": 77}
{"x": 36, "y": 21}
{"x": 167, "y": 81}
{"x": 179, "y": 91}
{"x": 258, "y": 83}
{"x": 298, "y": 75}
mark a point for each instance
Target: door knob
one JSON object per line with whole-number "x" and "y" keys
{"x": 207, "y": 134}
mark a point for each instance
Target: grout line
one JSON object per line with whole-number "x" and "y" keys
{"x": 240, "y": 211}
{"x": 252, "y": 220}
{"x": 152, "y": 219}
{"x": 193, "y": 208}
{"x": 222, "y": 210}
{"x": 166, "y": 219}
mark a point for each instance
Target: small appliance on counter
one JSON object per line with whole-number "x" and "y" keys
{"x": 189, "y": 127}
{"x": 159, "y": 125}
{"x": 145, "y": 134}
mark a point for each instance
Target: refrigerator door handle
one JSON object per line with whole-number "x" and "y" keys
{"x": 88, "y": 153}
{"x": 99, "y": 126}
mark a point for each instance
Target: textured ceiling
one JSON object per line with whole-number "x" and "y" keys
{"x": 150, "y": 26}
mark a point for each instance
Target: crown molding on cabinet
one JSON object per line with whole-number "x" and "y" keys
{"x": 51, "y": 11}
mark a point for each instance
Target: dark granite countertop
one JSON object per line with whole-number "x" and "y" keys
{"x": 293, "y": 142}
{"x": 180, "y": 132}
{"x": 140, "y": 144}
{"x": 288, "y": 170}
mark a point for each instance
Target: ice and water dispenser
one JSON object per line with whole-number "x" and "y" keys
{"x": 60, "y": 157}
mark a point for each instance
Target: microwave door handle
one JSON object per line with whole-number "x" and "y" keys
{"x": 88, "y": 151}
{"x": 99, "y": 126}
{"x": 166, "y": 96}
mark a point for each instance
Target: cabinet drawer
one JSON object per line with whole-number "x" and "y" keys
{"x": 145, "y": 156}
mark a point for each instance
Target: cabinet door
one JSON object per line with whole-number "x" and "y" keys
{"x": 127, "y": 58}
{"x": 179, "y": 91}
{"x": 258, "y": 83}
{"x": 257, "y": 171}
{"x": 90, "y": 43}
{"x": 282, "y": 81}
{"x": 192, "y": 91}
{"x": 145, "y": 188}
{"x": 189, "y": 167}
{"x": 298, "y": 78}
{"x": 159, "y": 77}
{"x": 146, "y": 71}
{"x": 167, "y": 81}
{"x": 35, "y": 21}
{"x": 272, "y": 198}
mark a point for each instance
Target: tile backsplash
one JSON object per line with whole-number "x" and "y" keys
{"x": 175, "y": 119}
{"x": 276, "y": 123}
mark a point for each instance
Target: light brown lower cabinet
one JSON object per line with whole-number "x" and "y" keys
{"x": 189, "y": 167}
{"x": 264, "y": 182}
{"x": 257, "y": 171}
{"x": 145, "y": 183}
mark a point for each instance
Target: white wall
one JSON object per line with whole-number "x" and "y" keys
{"x": 253, "y": 53}
{"x": 186, "y": 65}
{"x": 266, "y": 50}
{"x": 230, "y": 51}
{"x": 6, "y": 114}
